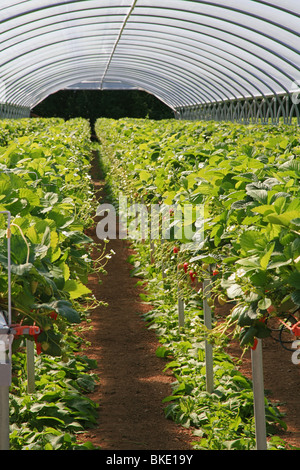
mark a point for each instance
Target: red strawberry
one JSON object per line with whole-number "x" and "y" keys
{"x": 53, "y": 315}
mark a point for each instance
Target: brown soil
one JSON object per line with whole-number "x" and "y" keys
{"x": 132, "y": 383}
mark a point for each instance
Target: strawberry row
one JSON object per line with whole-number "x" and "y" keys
{"x": 246, "y": 180}
{"x": 46, "y": 187}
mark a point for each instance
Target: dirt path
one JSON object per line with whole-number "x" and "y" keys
{"x": 132, "y": 382}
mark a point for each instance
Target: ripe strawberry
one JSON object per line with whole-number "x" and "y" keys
{"x": 53, "y": 315}
{"x": 193, "y": 275}
{"x": 38, "y": 345}
{"x": 185, "y": 267}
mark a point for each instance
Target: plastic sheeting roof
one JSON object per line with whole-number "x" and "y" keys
{"x": 184, "y": 52}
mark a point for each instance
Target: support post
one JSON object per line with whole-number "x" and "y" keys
{"x": 4, "y": 416}
{"x": 5, "y": 381}
{"x": 208, "y": 346}
{"x": 30, "y": 366}
{"x": 5, "y": 352}
{"x": 259, "y": 397}
{"x": 180, "y": 311}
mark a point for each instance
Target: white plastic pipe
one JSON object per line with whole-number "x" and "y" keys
{"x": 259, "y": 396}
{"x": 5, "y": 365}
{"x": 4, "y": 418}
{"x": 209, "y": 366}
{"x": 180, "y": 311}
{"x": 30, "y": 366}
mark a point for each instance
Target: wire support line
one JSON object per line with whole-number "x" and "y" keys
{"x": 117, "y": 42}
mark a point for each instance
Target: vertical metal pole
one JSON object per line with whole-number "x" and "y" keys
{"x": 9, "y": 266}
{"x": 162, "y": 263}
{"x": 152, "y": 252}
{"x": 208, "y": 346}
{"x": 259, "y": 398}
{"x": 5, "y": 380}
{"x": 4, "y": 417}
{"x": 30, "y": 366}
{"x": 180, "y": 304}
{"x": 5, "y": 361}
{"x": 180, "y": 310}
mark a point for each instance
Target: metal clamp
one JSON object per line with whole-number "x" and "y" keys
{"x": 18, "y": 330}
{"x": 7, "y": 335}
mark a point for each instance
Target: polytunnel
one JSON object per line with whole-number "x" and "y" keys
{"x": 223, "y": 60}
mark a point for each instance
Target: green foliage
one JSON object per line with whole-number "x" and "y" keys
{"x": 45, "y": 184}
{"x": 247, "y": 179}
{"x": 224, "y": 419}
{"x": 53, "y": 417}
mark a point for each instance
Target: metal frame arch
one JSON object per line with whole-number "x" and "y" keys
{"x": 38, "y": 72}
{"x": 237, "y": 59}
{"x": 163, "y": 7}
{"x": 60, "y": 73}
{"x": 213, "y": 33}
{"x": 217, "y": 65}
{"x": 278, "y": 5}
{"x": 32, "y": 81}
{"x": 194, "y": 2}
{"x": 46, "y": 55}
{"x": 57, "y": 8}
{"x": 222, "y": 5}
{"x": 95, "y": 19}
{"x": 61, "y": 82}
{"x": 211, "y": 88}
{"x": 186, "y": 27}
{"x": 53, "y": 44}
{"x": 200, "y": 14}
{"x": 247, "y": 10}
{"x": 168, "y": 72}
{"x": 200, "y": 70}
{"x": 75, "y": 39}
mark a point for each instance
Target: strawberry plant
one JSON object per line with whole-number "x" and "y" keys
{"x": 54, "y": 416}
{"x": 45, "y": 185}
{"x": 247, "y": 180}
